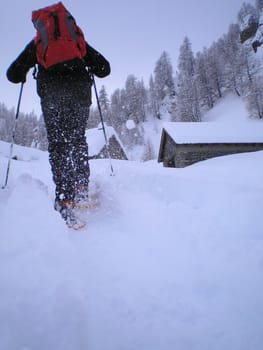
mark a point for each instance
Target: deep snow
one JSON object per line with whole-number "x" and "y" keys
{"x": 173, "y": 258}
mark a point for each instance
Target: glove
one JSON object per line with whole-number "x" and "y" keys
{"x": 23, "y": 78}
{"x": 16, "y": 75}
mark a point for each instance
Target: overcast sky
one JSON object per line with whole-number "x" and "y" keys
{"x": 131, "y": 34}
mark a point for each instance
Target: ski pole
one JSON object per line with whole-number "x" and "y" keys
{"x": 102, "y": 123}
{"x": 13, "y": 136}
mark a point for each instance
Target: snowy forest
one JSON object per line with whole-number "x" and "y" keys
{"x": 181, "y": 94}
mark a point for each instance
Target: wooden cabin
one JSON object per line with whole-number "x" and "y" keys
{"x": 97, "y": 145}
{"x": 183, "y": 144}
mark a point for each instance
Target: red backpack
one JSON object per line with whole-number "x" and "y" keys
{"x": 58, "y": 37}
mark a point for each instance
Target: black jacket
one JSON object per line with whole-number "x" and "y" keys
{"x": 74, "y": 72}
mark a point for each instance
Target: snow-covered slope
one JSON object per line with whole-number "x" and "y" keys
{"x": 230, "y": 109}
{"x": 173, "y": 258}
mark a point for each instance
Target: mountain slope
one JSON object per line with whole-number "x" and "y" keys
{"x": 173, "y": 258}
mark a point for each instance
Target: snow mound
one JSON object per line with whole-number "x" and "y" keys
{"x": 229, "y": 109}
{"x": 173, "y": 258}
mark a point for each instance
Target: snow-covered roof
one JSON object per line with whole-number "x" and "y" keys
{"x": 96, "y": 140}
{"x": 207, "y": 132}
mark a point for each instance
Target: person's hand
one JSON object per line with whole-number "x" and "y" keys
{"x": 23, "y": 78}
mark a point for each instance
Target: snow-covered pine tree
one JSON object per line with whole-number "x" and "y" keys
{"x": 233, "y": 59}
{"x": 133, "y": 110}
{"x": 105, "y": 105}
{"x": 117, "y": 109}
{"x": 188, "y": 104}
{"x": 153, "y": 105}
{"x": 203, "y": 80}
{"x": 164, "y": 87}
{"x": 215, "y": 66}
{"x": 255, "y": 98}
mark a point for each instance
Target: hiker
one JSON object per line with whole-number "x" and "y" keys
{"x": 64, "y": 79}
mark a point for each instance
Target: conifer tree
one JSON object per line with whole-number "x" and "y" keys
{"x": 164, "y": 88}
{"x": 188, "y": 108}
{"x": 105, "y": 105}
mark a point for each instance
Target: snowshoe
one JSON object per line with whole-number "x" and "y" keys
{"x": 85, "y": 201}
{"x": 68, "y": 213}
{"x": 88, "y": 204}
{"x": 81, "y": 199}
{"x": 75, "y": 223}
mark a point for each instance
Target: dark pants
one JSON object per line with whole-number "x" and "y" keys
{"x": 66, "y": 118}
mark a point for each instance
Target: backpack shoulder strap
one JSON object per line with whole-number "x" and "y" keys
{"x": 56, "y": 24}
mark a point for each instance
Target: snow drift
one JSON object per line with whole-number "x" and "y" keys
{"x": 172, "y": 259}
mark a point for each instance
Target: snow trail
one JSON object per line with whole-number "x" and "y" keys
{"x": 173, "y": 258}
